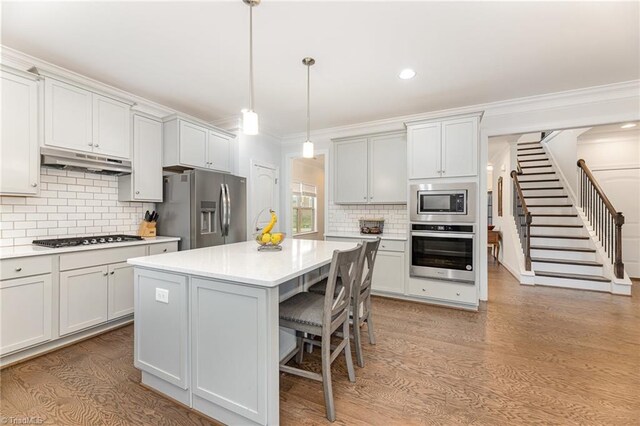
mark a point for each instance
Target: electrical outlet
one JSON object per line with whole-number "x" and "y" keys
{"x": 162, "y": 295}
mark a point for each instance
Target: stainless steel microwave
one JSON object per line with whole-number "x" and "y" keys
{"x": 443, "y": 202}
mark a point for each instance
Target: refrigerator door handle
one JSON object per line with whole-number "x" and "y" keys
{"x": 222, "y": 209}
{"x": 228, "y": 206}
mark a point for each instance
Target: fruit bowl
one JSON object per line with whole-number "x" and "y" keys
{"x": 269, "y": 241}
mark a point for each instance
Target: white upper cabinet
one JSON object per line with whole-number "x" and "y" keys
{"x": 19, "y": 147}
{"x": 371, "y": 169}
{"x": 387, "y": 171}
{"x": 350, "y": 171}
{"x": 218, "y": 152}
{"x": 67, "y": 116}
{"x": 424, "y": 155}
{"x": 111, "y": 127}
{"x": 193, "y": 144}
{"x": 81, "y": 120}
{"x": 460, "y": 147}
{"x": 145, "y": 181}
{"x": 444, "y": 148}
{"x": 189, "y": 144}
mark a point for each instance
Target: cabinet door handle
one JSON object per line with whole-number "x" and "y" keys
{"x": 90, "y": 144}
{"x": 165, "y": 250}
{"x": 137, "y": 192}
{"x": 18, "y": 269}
{"x": 112, "y": 272}
{"x": 105, "y": 274}
{"x": 364, "y": 198}
{"x": 443, "y": 172}
{"x": 96, "y": 145}
{"x": 34, "y": 184}
{"x": 424, "y": 289}
{"x": 458, "y": 293}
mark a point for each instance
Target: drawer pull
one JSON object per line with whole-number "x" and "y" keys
{"x": 113, "y": 272}
{"x": 165, "y": 250}
{"x": 105, "y": 274}
{"x": 458, "y": 293}
{"x": 18, "y": 269}
{"x": 424, "y": 289}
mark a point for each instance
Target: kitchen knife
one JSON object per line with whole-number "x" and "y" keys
{"x": 147, "y": 216}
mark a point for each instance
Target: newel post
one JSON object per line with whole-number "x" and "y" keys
{"x": 527, "y": 253}
{"x": 618, "y": 266}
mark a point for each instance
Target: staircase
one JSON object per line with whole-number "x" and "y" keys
{"x": 558, "y": 249}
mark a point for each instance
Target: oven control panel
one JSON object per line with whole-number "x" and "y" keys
{"x": 442, "y": 228}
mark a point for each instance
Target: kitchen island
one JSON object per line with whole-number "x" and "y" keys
{"x": 207, "y": 326}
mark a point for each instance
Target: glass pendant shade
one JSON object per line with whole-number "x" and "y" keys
{"x": 307, "y": 149}
{"x": 249, "y": 122}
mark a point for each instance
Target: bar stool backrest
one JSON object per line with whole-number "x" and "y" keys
{"x": 362, "y": 286}
{"x": 344, "y": 264}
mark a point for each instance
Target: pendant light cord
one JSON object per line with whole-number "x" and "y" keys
{"x": 308, "y": 103}
{"x": 251, "y": 57}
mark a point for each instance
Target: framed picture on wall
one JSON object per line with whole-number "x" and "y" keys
{"x": 500, "y": 196}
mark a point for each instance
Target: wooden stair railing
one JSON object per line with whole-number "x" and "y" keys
{"x": 522, "y": 216}
{"x": 605, "y": 220}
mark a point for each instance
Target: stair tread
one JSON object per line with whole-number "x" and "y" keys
{"x": 535, "y": 167}
{"x": 538, "y": 173}
{"x": 550, "y": 205}
{"x": 541, "y": 180}
{"x": 573, "y": 276}
{"x": 528, "y": 143}
{"x": 563, "y": 237}
{"x": 530, "y": 148}
{"x": 546, "y": 196}
{"x": 580, "y": 249}
{"x": 537, "y": 188}
{"x": 567, "y": 261}
{"x": 528, "y": 154}
{"x": 535, "y": 159}
{"x": 553, "y": 215}
{"x": 555, "y": 225}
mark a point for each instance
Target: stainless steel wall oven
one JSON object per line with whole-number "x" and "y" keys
{"x": 443, "y": 251}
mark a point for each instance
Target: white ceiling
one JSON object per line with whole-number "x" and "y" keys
{"x": 192, "y": 56}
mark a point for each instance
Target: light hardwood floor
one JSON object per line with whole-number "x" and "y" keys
{"x": 532, "y": 355}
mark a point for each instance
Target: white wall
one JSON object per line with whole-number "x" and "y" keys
{"x": 614, "y": 159}
{"x": 563, "y": 149}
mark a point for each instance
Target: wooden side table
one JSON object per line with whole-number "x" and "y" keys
{"x": 494, "y": 239}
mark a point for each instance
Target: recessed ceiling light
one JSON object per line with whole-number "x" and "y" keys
{"x": 628, "y": 125}
{"x": 407, "y": 73}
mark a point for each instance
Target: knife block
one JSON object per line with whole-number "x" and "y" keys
{"x": 147, "y": 229}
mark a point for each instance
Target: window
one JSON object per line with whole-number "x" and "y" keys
{"x": 303, "y": 204}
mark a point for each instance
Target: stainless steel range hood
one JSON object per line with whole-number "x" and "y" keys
{"x": 84, "y": 162}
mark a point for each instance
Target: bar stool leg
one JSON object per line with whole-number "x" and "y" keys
{"x": 326, "y": 377}
{"x": 347, "y": 352}
{"x": 372, "y": 336}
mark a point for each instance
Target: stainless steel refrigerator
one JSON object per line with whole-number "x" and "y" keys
{"x": 204, "y": 209}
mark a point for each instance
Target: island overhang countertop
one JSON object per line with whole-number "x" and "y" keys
{"x": 243, "y": 263}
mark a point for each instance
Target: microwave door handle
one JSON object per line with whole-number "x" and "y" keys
{"x": 437, "y": 235}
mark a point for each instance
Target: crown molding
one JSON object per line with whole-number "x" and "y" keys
{"x": 622, "y": 90}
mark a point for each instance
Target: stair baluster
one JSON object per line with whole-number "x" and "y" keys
{"x": 522, "y": 216}
{"x": 605, "y": 220}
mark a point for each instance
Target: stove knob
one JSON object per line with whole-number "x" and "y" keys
{"x": 110, "y": 239}
{"x": 102, "y": 240}
{"x": 85, "y": 242}
{"x": 119, "y": 239}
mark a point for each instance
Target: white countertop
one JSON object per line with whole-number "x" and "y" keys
{"x": 33, "y": 250}
{"x": 243, "y": 263}
{"x": 397, "y": 237}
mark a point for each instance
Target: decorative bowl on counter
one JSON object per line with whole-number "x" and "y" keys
{"x": 269, "y": 241}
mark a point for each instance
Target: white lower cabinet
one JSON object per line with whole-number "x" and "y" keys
{"x": 120, "y": 285}
{"x": 25, "y": 312}
{"x": 83, "y": 298}
{"x": 444, "y": 291}
{"x": 388, "y": 273}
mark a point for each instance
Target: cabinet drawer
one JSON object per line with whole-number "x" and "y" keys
{"x": 391, "y": 245}
{"x": 443, "y": 290}
{"x": 85, "y": 259}
{"x": 163, "y": 248}
{"x": 25, "y": 267}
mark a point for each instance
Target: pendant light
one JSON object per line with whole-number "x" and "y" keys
{"x": 307, "y": 147}
{"x": 249, "y": 117}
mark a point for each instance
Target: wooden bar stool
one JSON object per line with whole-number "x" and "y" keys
{"x": 324, "y": 315}
{"x": 360, "y": 296}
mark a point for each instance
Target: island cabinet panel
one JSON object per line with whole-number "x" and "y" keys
{"x": 225, "y": 316}
{"x": 162, "y": 329}
{"x": 25, "y": 312}
{"x": 83, "y": 298}
{"x": 388, "y": 274}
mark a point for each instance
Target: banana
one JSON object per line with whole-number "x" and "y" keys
{"x": 271, "y": 224}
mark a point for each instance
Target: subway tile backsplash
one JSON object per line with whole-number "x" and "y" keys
{"x": 344, "y": 218}
{"x": 71, "y": 203}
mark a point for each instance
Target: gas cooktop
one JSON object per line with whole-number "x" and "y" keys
{"x": 85, "y": 241}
